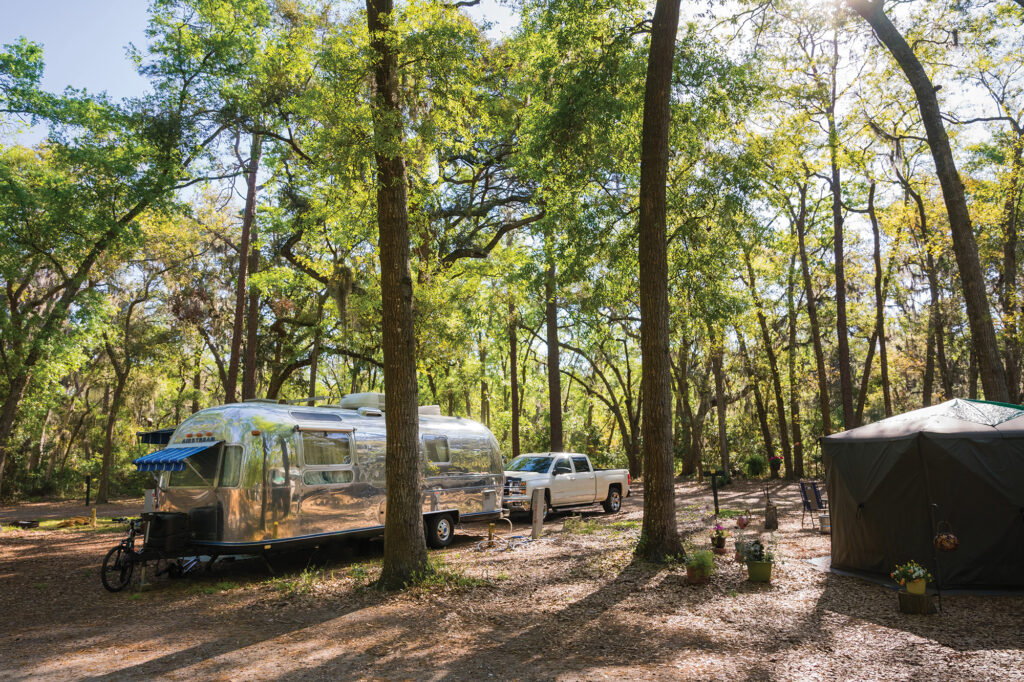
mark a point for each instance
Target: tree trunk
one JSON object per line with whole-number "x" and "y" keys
{"x": 513, "y": 360}
{"x": 723, "y": 440}
{"x": 972, "y": 376}
{"x": 485, "y": 393}
{"x": 879, "y": 303}
{"x": 759, "y": 405}
{"x": 794, "y": 388}
{"x": 812, "y": 317}
{"x": 8, "y": 413}
{"x": 252, "y": 322}
{"x": 936, "y": 348}
{"x": 842, "y": 329}
{"x": 865, "y": 378}
{"x": 197, "y": 379}
{"x": 660, "y": 536}
{"x": 36, "y": 455}
{"x": 314, "y": 354}
{"x": 405, "y": 550}
{"x": 241, "y": 289}
{"x": 983, "y": 337}
{"x": 929, "y": 363}
{"x": 1008, "y": 295}
{"x": 555, "y": 443}
{"x": 103, "y": 490}
{"x": 773, "y": 366}
{"x": 685, "y": 415}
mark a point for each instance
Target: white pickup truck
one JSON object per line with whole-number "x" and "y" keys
{"x": 568, "y": 480}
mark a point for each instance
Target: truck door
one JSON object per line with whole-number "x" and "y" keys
{"x": 562, "y": 480}
{"x": 585, "y": 479}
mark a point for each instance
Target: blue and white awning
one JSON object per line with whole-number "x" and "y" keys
{"x": 171, "y": 458}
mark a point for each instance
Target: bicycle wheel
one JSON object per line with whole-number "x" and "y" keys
{"x": 117, "y": 569}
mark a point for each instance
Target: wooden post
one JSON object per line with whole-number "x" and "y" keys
{"x": 94, "y": 517}
{"x": 537, "y": 505}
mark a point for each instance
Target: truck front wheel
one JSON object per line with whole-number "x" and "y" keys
{"x": 440, "y": 530}
{"x": 613, "y": 503}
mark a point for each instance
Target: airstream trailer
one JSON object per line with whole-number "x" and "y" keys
{"x": 258, "y": 475}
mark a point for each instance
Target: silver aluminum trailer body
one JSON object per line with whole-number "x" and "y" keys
{"x": 278, "y": 476}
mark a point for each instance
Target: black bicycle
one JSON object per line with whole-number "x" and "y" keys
{"x": 119, "y": 564}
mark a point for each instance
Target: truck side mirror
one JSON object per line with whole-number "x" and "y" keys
{"x": 554, "y": 472}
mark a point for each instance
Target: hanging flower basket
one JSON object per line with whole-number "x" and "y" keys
{"x": 945, "y": 539}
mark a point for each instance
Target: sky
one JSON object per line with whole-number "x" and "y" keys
{"x": 84, "y": 41}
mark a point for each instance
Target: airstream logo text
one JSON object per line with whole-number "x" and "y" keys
{"x": 207, "y": 439}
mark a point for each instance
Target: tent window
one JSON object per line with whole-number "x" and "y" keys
{"x": 205, "y": 463}
{"x": 231, "y": 466}
{"x": 320, "y": 448}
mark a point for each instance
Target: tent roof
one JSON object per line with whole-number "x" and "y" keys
{"x": 957, "y": 416}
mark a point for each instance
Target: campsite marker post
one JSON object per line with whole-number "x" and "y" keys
{"x": 538, "y": 513}
{"x": 714, "y": 487}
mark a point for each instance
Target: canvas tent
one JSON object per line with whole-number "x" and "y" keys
{"x": 959, "y": 464}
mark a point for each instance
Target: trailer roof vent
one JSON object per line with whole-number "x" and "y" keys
{"x": 430, "y": 410}
{"x": 353, "y": 401}
{"x": 369, "y": 412}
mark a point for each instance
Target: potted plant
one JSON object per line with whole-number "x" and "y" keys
{"x": 759, "y": 561}
{"x": 699, "y": 567}
{"x": 740, "y": 544}
{"x": 718, "y": 536}
{"x": 913, "y": 576}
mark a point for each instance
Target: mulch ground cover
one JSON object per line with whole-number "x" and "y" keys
{"x": 573, "y": 605}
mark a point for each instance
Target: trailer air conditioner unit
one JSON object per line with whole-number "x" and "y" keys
{"x": 353, "y": 401}
{"x": 430, "y": 410}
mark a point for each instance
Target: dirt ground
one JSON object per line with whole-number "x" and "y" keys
{"x": 573, "y": 605}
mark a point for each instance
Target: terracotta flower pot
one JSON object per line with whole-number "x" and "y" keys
{"x": 718, "y": 541}
{"x": 695, "y": 578}
{"x": 916, "y": 586}
{"x": 759, "y": 571}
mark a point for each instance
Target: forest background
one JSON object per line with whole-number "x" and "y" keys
{"x": 215, "y": 238}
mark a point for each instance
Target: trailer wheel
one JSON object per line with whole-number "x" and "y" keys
{"x": 440, "y": 530}
{"x": 613, "y": 503}
{"x": 117, "y": 570}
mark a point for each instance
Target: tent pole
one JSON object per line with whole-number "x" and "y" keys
{"x": 931, "y": 515}
{"x": 935, "y": 555}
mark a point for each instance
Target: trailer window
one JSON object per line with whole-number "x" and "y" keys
{"x": 437, "y": 448}
{"x": 320, "y": 448}
{"x": 231, "y": 466}
{"x": 327, "y": 476}
{"x": 205, "y": 463}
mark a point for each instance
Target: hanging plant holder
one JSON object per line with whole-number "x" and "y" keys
{"x": 945, "y": 540}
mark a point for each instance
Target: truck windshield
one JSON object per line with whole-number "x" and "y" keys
{"x": 538, "y": 465}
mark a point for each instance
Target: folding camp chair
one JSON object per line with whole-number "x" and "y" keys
{"x": 812, "y": 501}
